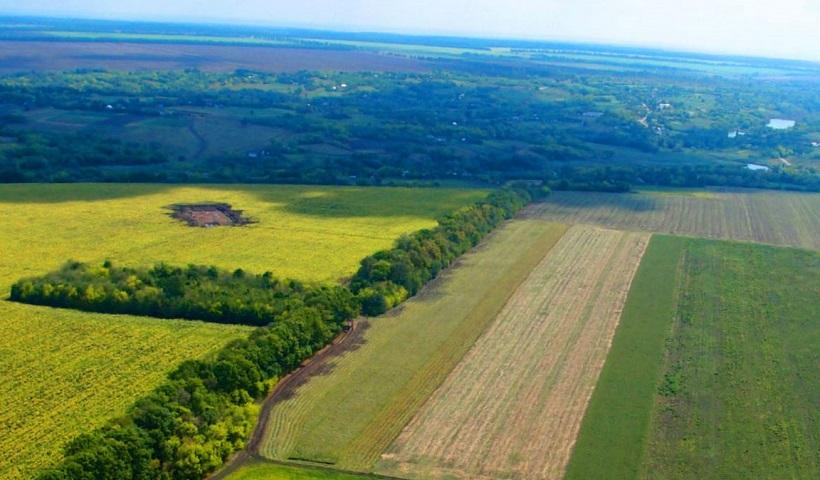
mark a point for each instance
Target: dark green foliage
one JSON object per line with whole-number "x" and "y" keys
{"x": 487, "y": 126}
{"x": 189, "y": 425}
{"x": 388, "y": 277}
{"x": 194, "y": 292}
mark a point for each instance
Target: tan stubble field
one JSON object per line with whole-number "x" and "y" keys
{"x": 513, "y": 407}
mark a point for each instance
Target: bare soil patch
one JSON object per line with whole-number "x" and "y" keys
{"x": 209, "y": 215}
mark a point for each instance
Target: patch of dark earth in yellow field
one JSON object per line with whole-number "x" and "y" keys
{"x": 209, "y": 215}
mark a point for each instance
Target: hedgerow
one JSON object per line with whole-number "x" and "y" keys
{"x": 205, "y": 410}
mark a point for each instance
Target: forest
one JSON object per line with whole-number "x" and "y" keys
{"x": 194, "y": 292}
{"x": 470, "y": 123}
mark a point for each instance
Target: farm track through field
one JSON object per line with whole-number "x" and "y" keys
{"x": 777, "y": 218}
{"x": 513, "y": 406}
{"x": 351, "y": 413}
{"x": 286, "y": 387}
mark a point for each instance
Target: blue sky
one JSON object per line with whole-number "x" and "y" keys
{"x": 778, "y": 28}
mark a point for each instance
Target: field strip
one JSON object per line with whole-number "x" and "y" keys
{"x": 622, "y": 401}
{"x": 776, "y": 218}
{"x": 350, "y": 412}
{"x": 513, "y": 406}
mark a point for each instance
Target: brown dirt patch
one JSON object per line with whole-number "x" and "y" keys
{"x": 209, "y": 215}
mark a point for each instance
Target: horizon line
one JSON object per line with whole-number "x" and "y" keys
{"x": 412, "y": 32}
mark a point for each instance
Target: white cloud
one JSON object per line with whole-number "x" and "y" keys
{"x": 785, "y": 28}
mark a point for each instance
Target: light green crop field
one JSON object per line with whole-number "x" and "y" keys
{"x": 765, "y": 216}
{"x": 349, "y": 415}
{"x": 274, "y": 471}
{"x": 65, "y": 372}
{"x": 713, "y": 371}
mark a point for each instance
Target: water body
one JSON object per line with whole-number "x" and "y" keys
{"x": 780, "y": 123}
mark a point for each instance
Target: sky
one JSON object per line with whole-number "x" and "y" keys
{"x": 774, "y": 28}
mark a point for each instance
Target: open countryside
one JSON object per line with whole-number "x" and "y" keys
{"x": 512, "y": 407}
{"x": 250, "y": 249}
{"x": 104, "y": 363}
{"x": 711, "y": 374}
{"x": 778, "y": 218}
{"x": 350, "y": 414}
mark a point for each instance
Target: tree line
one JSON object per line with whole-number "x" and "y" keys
{"x": 205, "y": 410}
{"x": 194, "y": 292}
{"x": 388, "y": 277}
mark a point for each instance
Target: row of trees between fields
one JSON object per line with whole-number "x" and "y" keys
{"x": 388, "y": 277}
{"x": 194, "y": 292}
{"x": 205, "y": 410}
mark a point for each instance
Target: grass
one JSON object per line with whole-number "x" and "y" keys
{"x": 614, "y": 428}
{"x": 348, "y": 416}
{"x": 740, "y": 390}
{"x": 275, "y": 471}
{"x": 66, "y": 372}
{"x": 777, "y": 218}
{"x": 712, "y": 371}
{"x": 512, "y": 407}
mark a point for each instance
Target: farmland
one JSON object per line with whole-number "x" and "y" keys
{"x": 740, "y": 390}
{"x": 513, "y": 406}
{"x": 17, "y": 56}
{"x": 309, "y": 233}
{"x": 274, "y": 471}
{"x": 351, "y": 412}
{"x": 69, "y": 371}
{"x": 621, "y": 403}
{"x": 65, "y": 372}
{"x": 712, "y": 374}
{"x": 778, "y": 218}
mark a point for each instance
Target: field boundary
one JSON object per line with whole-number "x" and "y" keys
{"x": 513, "y": 405}
{"x": 621, "y": 404}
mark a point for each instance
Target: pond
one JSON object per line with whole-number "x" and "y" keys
{"x": 780, "y": 123}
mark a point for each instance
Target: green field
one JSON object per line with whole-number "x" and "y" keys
{"x": 274, "y": 471}
{"x": 717, "y": 379}
{"x": 349, "y": 416}
{"x": 66, "y": 372}
{"x": 740, "y": 392}
{"x": 621, "y": 403}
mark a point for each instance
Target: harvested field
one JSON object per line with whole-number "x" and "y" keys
{"x": 777, "y": 218}
{"x": 355, "y": 406}
{"x": 622, "y": 401}
{"x": 19, "y": 56}
{"x": 513, "y": 407}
